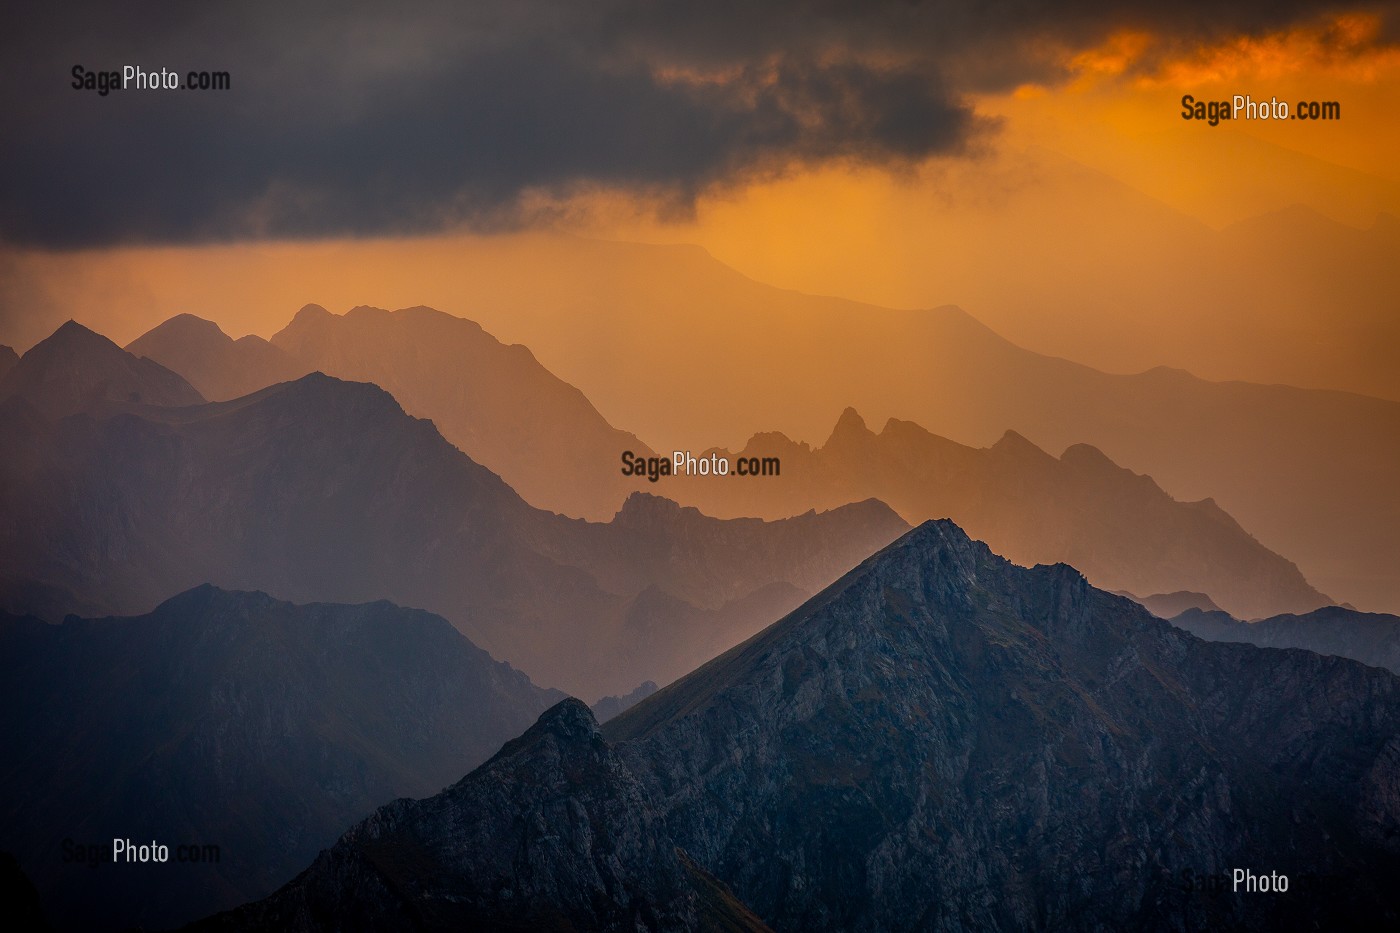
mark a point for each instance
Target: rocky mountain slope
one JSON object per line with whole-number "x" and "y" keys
{"x": 1119, "y": 528}
{"x": 552, "y": 833}
{"x": 940, "y": 740}
{"x": 235, "y": 720}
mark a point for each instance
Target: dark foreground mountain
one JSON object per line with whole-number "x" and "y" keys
{"x": 231, "y": 720}
{"x": 1081, "y": 508}
{"x": 554, "y": 833}
{"x": 940, "y": 740}
{"x": 322, "y": 490}
{"x": 8, "y": 359}
{"x": 1369, "y": 637}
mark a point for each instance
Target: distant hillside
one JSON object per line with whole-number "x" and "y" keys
{"x": 75, "y": 370}
{"x": 219, "y": 366}
{"x": 229, "y": 719}
{"x": 320, "y": 489}
{"x": 1369, "y": 637}
{"x": 1309, "y": 473}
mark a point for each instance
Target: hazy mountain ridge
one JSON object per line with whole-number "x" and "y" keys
{"x": 747, "y": 357}
{"x": 75, "y": 370}
{"x": 1116, "y": 526}
{"x": 1168, "y": 605}
{"x": 544, "y": 438}
{"x": 219, "y": 366}
{"x": 1369, "y": 637}
{"x": 325, "y": 490}
{"x": 610, "y": 706}
{"x": 231, "y": 719}
{"x": 939, "y": 740}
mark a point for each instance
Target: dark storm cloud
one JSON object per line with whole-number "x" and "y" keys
{"x": 360, "y": 119}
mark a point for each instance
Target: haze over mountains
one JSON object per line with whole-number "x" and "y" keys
{"x": 1120, "y": 529}
{"x": 219, "y": 366}
{"x": 325, "y": 490}
{"x": 76, "y": 370}
{"x": 941, "y": 739}
{"x": 495, "y": 402}
{"x": 235, "y": 720}
{"x": 488, "y": 399}
{"x": 689, "y": 354}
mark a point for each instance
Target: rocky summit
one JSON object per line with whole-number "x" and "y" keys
{"x": 941, "y": 740}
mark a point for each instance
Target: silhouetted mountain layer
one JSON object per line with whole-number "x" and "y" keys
{"x": 75, "y": 370}
{"x": 1309, "y": 473}
{"x": 1168, "y": 605}
{"x": 219, "y": 366}
{"x": 1119, "y": 528}
{"x": 229, "y": 719}
{"x": 325, "y": 490}
{"x": 608, "y": 707}
{"x": 1369, "y": 637}
{"x": 492, "y": 400}
{"x": 8, "y": 359}
{"x": 940, "y": 740}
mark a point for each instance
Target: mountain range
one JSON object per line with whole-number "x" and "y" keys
{"x": 1369, "y": 637}
{"x": 1117, "y": 527}
{"x": 1310, "y": 473}
{"x": 323, "y": 490}
{"x": 939, "y": 740}
{"x": 235, "y": 720}
{"x": 1120, "y": 528}
{"x": 494, "y": 402}
{"x": 76, "y": 370}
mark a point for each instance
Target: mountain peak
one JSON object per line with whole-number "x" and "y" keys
{"x": 183, "y": 330}
{"x": 569, "y": 719}
{"x": 1017, "y": 444}
{"x": 71, "y": 333}
{"x": 192, "y": 323}
{"x": 360, "y": 311}
{"x": 1087, "y": 455}
{"x": 76, "y": 369}
{"x": 850, "y": 427}
{"x": 646, "y": 506}
{"x": 310, "y": 313}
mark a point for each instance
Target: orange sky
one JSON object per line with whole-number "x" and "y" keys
{"x": 1043, "y": 233}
